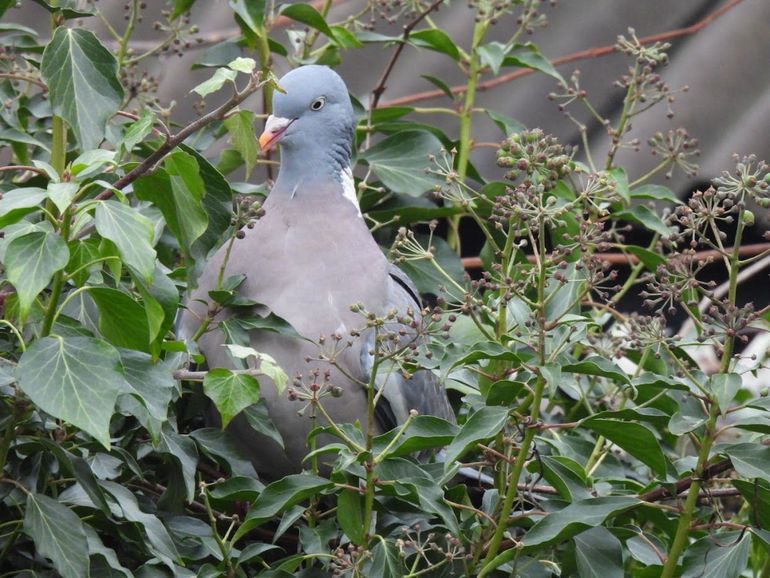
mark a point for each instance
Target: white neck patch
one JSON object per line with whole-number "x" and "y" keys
{"x": 349, "y": 187}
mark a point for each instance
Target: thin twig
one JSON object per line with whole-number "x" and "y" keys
{"x": 23, "y": 168}
{"x": 615, "y": 258}
{"x": 595, "y": 52}
{"x": 173, "y": 141}
{"x": 664, "y": 492}
{"x": 381, "y": 85}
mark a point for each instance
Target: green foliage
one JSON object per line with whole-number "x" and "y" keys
{"x": 602, "y": 443}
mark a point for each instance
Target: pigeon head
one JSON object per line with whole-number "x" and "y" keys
{"x": 312, "y": 119}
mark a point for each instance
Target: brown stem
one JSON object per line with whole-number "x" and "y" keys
{"x": 663, "y": 492}
{"x": 616, "y": 258}
{"x": 381, "y": 85}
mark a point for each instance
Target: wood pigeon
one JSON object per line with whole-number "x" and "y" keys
{"x": 307, "y": 260}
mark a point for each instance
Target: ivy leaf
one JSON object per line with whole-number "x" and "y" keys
{"x": 307, "y": 14}
{"x": 750, "y": 460}
{"x": 131, "y": 232}
{"x": 58, "y": 535}
{"x": 17, "y": 203}
{"x": 435, "y": 39}
{"x": 280, "y": 496}
{"x": 576, "y": 517}
{"x": 599, "y": 554}
{"x": 216, "y": 82}
{"x": 529, "y": 56}
{"x": 386, "y": 561}
{"x": 243, "y": 138}
{"x": 138, "y": 130}
{"x": 482, "y": 425}
{"x": 61, "y": 194}
{"x": 350, "y": 515}
{"x": 644, "y": 216}
{"x": 505, "y": 123}
{"x": 595, "y": 365}
{"x": 635, "y": 438}
{"x": 493, "y": 55}
{"x": 75, "y": 379}
{"x": 83, "y": 84}
{"x": 400, "y": 160}
{"x": 725, "y": 386}
{"x": 31, "y": 261}
{"x": 231, "y": 392}
{"x": 122, "y": 319}
{"x": 181, "y": 7}
{"x": 655, "y": 193}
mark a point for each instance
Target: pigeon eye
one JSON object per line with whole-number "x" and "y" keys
{"x": 318, "y": 103}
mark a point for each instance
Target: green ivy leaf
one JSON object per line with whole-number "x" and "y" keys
{"x": 599, "y": 554}
{"x": 484, "y": 424}
{"x": 131, "y": 232}
{"x": 31, "y": 261}
{"x": 231, "y": 392}
{"x": 17, "y": 203}
{"x": 644, "y": 216}
{"x": 576, "y": 517}
{"x": 216, "y": 82}
{"x": 595, "y": 365}
{"x": 386, "y": 562}
{"x": 529, "y": 56}
{"x": 435, "y": 39}
{"x": 83, "y": 84}
{"x": 67, "y": 8}
{"x": 280, "y": 496}
{"x": 307, "y": 14}
{"x": 122, "y": 319}
{"x": 655, "y": 193}
{"x": 58, "y": 535}
{"x": 750, "y": 460}
{"x": 181, "y": 7}
{"x": 400, "y": 160}
{"x": 492, "y": 55}
{"x": 243, "y": 138}
{"x": 138, "y": 130}
{"x": 424, "y": 433}
{"x": 505, "y": 123}
{"x": 725, "y": 386}
{"x": 350, "y": 515}
{"x": 75, "y": 379}
{"x": 707, "y": 559}
{"x": 635, "y": 438}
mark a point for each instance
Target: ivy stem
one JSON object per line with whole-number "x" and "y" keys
{"x": 709, "y": 434}
{"x": 529, "y": 435}
{"x": 466, "y": 116}
{"x": 129, "y": 32}
{"x": 59, "y": 163}
{"x": 370, "y": 462}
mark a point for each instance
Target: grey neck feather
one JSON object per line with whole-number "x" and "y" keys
{"x": 311, "y": 164}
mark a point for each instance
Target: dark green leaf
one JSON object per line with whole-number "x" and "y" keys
{"x": 757, "y": 496}
{"x": 344, "y": 37}
{"x": 650, "y": 259}
{"x": 240, "y": 488}
{"x": 575, "y": 518}
{"x": 131, "y": 232}
{"x": 75, "y": 379}
{"x": 83, "y": 84}
{"x": 231, "y": 392}
{"x": 599, "y": 554}
{"x": 150, "y": 381}
{"x": 725, "y": 386}
{"x": 31, "y": 261}
{"x": 505, "y": 123}
{"x": 251, "y": 13}
{"x": 435, "y": 39}
{"x": 400, "y": 161}
{"x": 181, "y": 7}
{"x": 644, "y": 216}
{"x": 350, "y": 515}
{"x": 122, "y": 320}
{"x": 259, "y": 419}
{"x": 242, "y": 136}
{"x": 635, "y": 438}
{"x": 271, "y": 323}
{"x": 719, "y": 556}
{"x": 386, "y": 562}
{"x": 67, "y": 8}
{"x": 750, "y": 460}
{"x": 280, "y": 496}
{"x": 307, "y": 14}
{"x": 440, "y": 84}
{"x": 58, "y": 535}
{"x": 528, "y": 56}
{"x": 596, "y": 365}
{"x": 424, "y": 433}
{"x": 484, "y": 424}
{"x": 655, "y": 192}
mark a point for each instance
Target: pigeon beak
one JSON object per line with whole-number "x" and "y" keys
{"x": 274, "y": 128}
